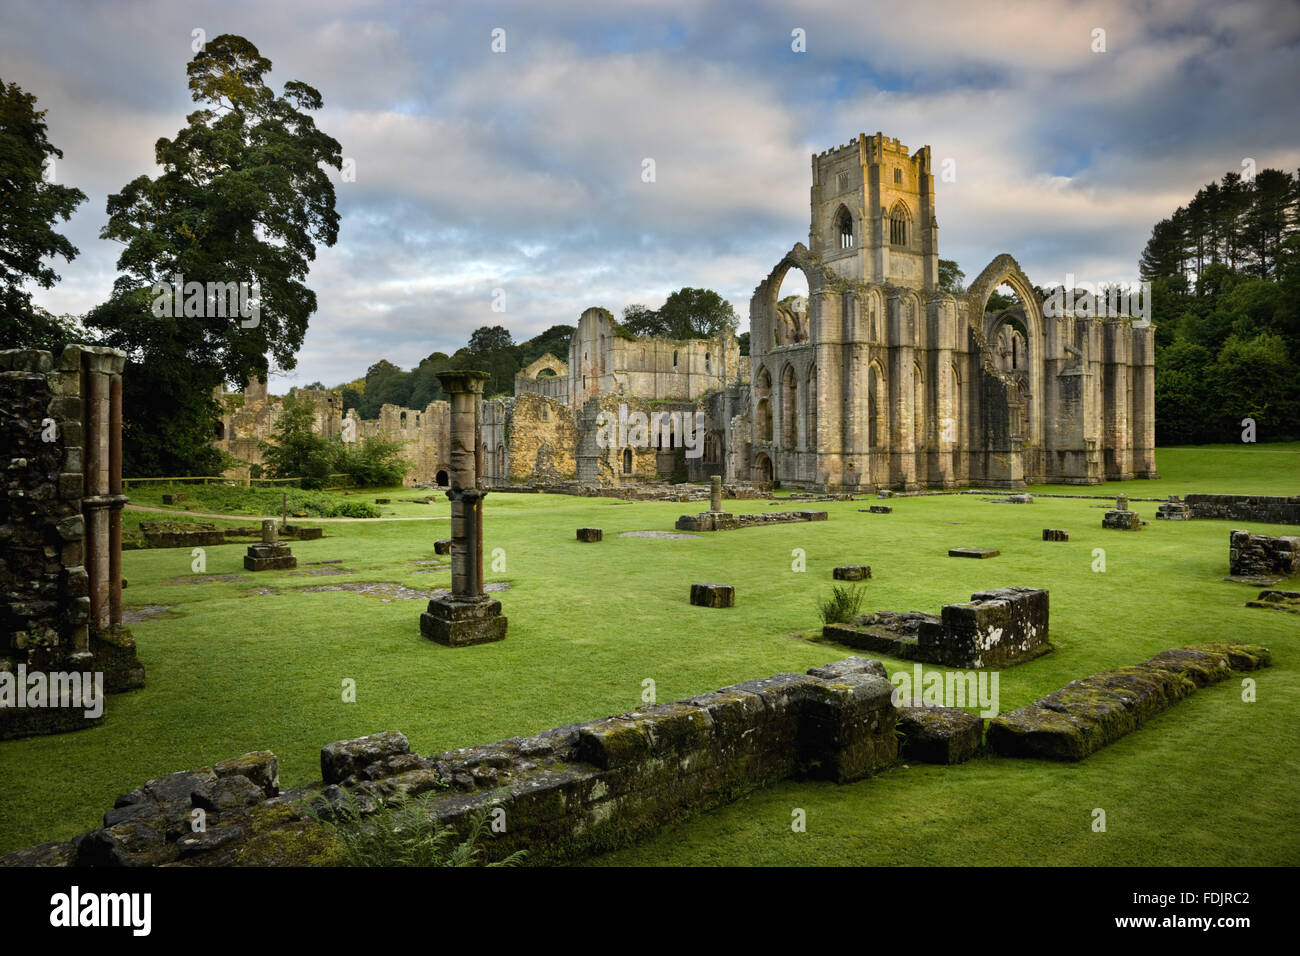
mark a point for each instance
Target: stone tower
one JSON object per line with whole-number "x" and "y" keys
{"x": 873, "y": 213}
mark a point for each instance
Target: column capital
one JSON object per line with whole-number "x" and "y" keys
{"x": 463, "y": 380}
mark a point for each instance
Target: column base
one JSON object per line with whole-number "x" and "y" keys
{"x": 460, "y": 622}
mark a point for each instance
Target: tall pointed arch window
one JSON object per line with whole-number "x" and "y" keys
{"x": 844, "y": 228}
{"x": 898, "y": 226}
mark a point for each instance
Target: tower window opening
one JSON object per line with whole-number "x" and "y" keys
{"x": 844, "y": 227}
{"x": 898, "y": 227}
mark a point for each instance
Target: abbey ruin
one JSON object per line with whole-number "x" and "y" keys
{"x": 878, "y": 379}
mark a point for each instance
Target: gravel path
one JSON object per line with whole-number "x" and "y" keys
{"x": 205, "y": 514}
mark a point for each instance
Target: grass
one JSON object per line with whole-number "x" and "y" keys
{"x": 1210, "y": 782}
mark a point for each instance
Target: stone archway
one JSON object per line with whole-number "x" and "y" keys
{"x": 763, "y": 469}
{"x": 1005, "y": 270}
{"x": 769, "y": 289}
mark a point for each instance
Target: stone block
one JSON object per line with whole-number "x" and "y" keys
{"x": 849, "y": 665}
{"x": 852, "y": 572}
{"x": 590, "y": 534}
{"x": 461, "y": 622}
{"x": 713, "y": 595}
{"x": 973, "y": 553}
{"x": 996, "y": 628}
{"x": 942, "y": 735}
{"x": 261, "y": 767}
{"x": 880, "y": 510}
{"x": 442, "y": 546}
{"x": 343, "y": 758}
{"x": 1055, "y": 534}
{"x": 847, "y": 732}
{"x": 26, "y": 360}
{"x": 1122, "y": 520}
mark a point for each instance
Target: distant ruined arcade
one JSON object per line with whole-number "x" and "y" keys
{"x": 878, "y": 380}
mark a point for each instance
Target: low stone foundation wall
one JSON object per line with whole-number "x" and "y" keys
{"x": 201, "y": 534}
{"x": 565, "y": 793}
{"x": 725, "y": 521}
{"x": 643, "y": 491}
{"x": 1086, "y": 715}
{"x": 1262, "y": 508}
{"x": 1254, "y": 555}
{"x": 997, "y": 628}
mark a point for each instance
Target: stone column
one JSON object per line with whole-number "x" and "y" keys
{"x": 466, "y": 616}
{"x": 715, "y": 493}
{"x": 101, "y": 369}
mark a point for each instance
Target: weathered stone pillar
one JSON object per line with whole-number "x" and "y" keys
{"x": 715, "y": 493}
{"x": 466, "y": 616}
{"x": 101, "y": 371}
{"x": 270, "y": 555}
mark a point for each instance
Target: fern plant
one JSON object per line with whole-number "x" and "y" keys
{"x": 405, "y": 832}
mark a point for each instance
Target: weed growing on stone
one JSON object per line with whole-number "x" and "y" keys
{"x": 844, "y": 604}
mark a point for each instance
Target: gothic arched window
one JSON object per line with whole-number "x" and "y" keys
{"x": 844, "y": 228}
{"x": 898, "y": 226}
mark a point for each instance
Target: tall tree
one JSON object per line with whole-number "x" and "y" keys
{"x": 697, "y": 314}
{"x": 242, "y": 198}
{"x": 951, "y": 278}
{"x": 29, "y": 207}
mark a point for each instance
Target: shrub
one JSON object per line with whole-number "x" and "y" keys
{"x": 374, "y": 463}
{"x": 842, "y": 606}
{"x": 297, "y": 451}
{"x": 404, "y": 833}
{"x": 353, "y": 509}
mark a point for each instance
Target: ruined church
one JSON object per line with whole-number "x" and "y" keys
{"x": 877, "y": 379}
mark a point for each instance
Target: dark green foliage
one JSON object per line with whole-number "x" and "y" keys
{"x": 842, "y": 606}
{"x": 29, "y": 206}
{"x": 492, "y": 350}
{"x": 235, "y": 499}
{"x": 688, "y": 314}
{"x": 296, "y": 450}
{"x": 374, "y": 462}
{"x": 1225, "y": 284}
{"x": 950, "y": 276}
{"x": 404, "y": 833}
{"x": 244, "y": 196}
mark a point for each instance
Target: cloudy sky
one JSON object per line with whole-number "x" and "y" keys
{"x": 521, "y": 170}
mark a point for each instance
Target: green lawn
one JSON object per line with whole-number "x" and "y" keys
{"x": 1213, "y": 781}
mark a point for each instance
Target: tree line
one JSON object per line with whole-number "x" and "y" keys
{"x": 1225, "y": 281}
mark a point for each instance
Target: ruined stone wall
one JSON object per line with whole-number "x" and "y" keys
{"x": 565, "y": 793}
{"x": 60, "y": 535}
{"x": 1261, "y": 508}
{"x": 425, "y": 437}
{"x": 602, "y": 361}
{"x": 998, "y": 628}
{"x": 554, "y": 385}
{"x": 541, "y": 440}
{"x": 250, "y": 418}
{"x": 1255, "y": 555}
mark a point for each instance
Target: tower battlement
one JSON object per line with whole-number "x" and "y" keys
{"x": 872, "y": 203}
